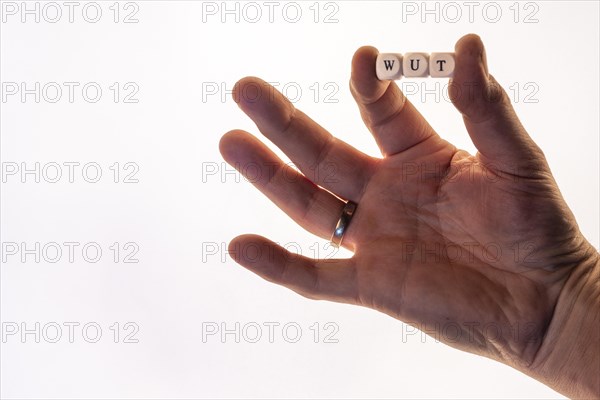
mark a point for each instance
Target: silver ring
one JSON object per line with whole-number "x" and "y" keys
{"x": 342, "y": 224}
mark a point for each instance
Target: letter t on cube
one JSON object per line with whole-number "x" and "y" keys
{"x": 441, "y": 65}
{"x": 389, "y": 66}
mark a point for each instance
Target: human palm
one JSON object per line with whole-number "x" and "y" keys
{"x": 450, "y": 245}
{"x": 472, "y": 249}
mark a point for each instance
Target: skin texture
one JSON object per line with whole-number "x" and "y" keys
{"x": 480, "y": 251}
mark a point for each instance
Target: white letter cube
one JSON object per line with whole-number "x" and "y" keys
{"x": 415, "y": 65}
{"x": 441, "y": 65}
{"x": 389, "y": 66}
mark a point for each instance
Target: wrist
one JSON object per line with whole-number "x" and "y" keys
{"x": 569, "y": 358}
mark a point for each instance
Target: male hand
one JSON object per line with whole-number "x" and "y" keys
{"x": 480, "y": 250}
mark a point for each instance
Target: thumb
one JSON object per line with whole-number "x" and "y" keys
{"x": 489, "y": 117}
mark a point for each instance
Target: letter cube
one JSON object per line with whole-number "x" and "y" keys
{"x": 389, "y": 66}
{"x": 441, "y": 65}
{"x": 415, "y": 65}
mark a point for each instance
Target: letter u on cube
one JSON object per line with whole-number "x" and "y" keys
{"x": 392, "y": 66}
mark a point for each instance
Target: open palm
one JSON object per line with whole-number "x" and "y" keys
{"x": 474, "y": 250}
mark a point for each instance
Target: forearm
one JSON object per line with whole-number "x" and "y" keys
{"x": 569, "y": 359}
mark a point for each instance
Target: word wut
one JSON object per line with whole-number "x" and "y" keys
{"x": 392, "y": 66}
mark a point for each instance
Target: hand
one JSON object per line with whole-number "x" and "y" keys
{"x": 479, "y": 250}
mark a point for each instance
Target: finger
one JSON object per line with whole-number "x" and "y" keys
{"x": 333, "y": 280}
{"x": 487, "y": 112}
{"x": 312, "y": 207}
{"x": 325, "y": 160}
{"x": 390, "y": 116}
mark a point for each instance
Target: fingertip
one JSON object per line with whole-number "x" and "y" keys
{"x": 266, "y": 106}
{"x": 248, "y": 238}
{"x": 469, "y": 49}
{"x": 259, "y": 255}
{"x": 231, "y": 249}
{"x": 470, "y": 41}
{"x": 239, "y": 247}
{"x": 230, "y": 142}
{"x": 364, "y": 83}
{"x": 247, "y": 154}
{"x": 364, "y": 54}
{"x": 247, "y": 90}
{"x": 469, "y": 86}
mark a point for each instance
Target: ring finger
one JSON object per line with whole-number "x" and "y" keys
{"x": 312, "y": 207}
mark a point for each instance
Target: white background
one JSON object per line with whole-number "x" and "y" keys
{"x": 178, "y": 215}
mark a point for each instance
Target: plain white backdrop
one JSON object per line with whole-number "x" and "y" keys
{"x": 146, "y": 329}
